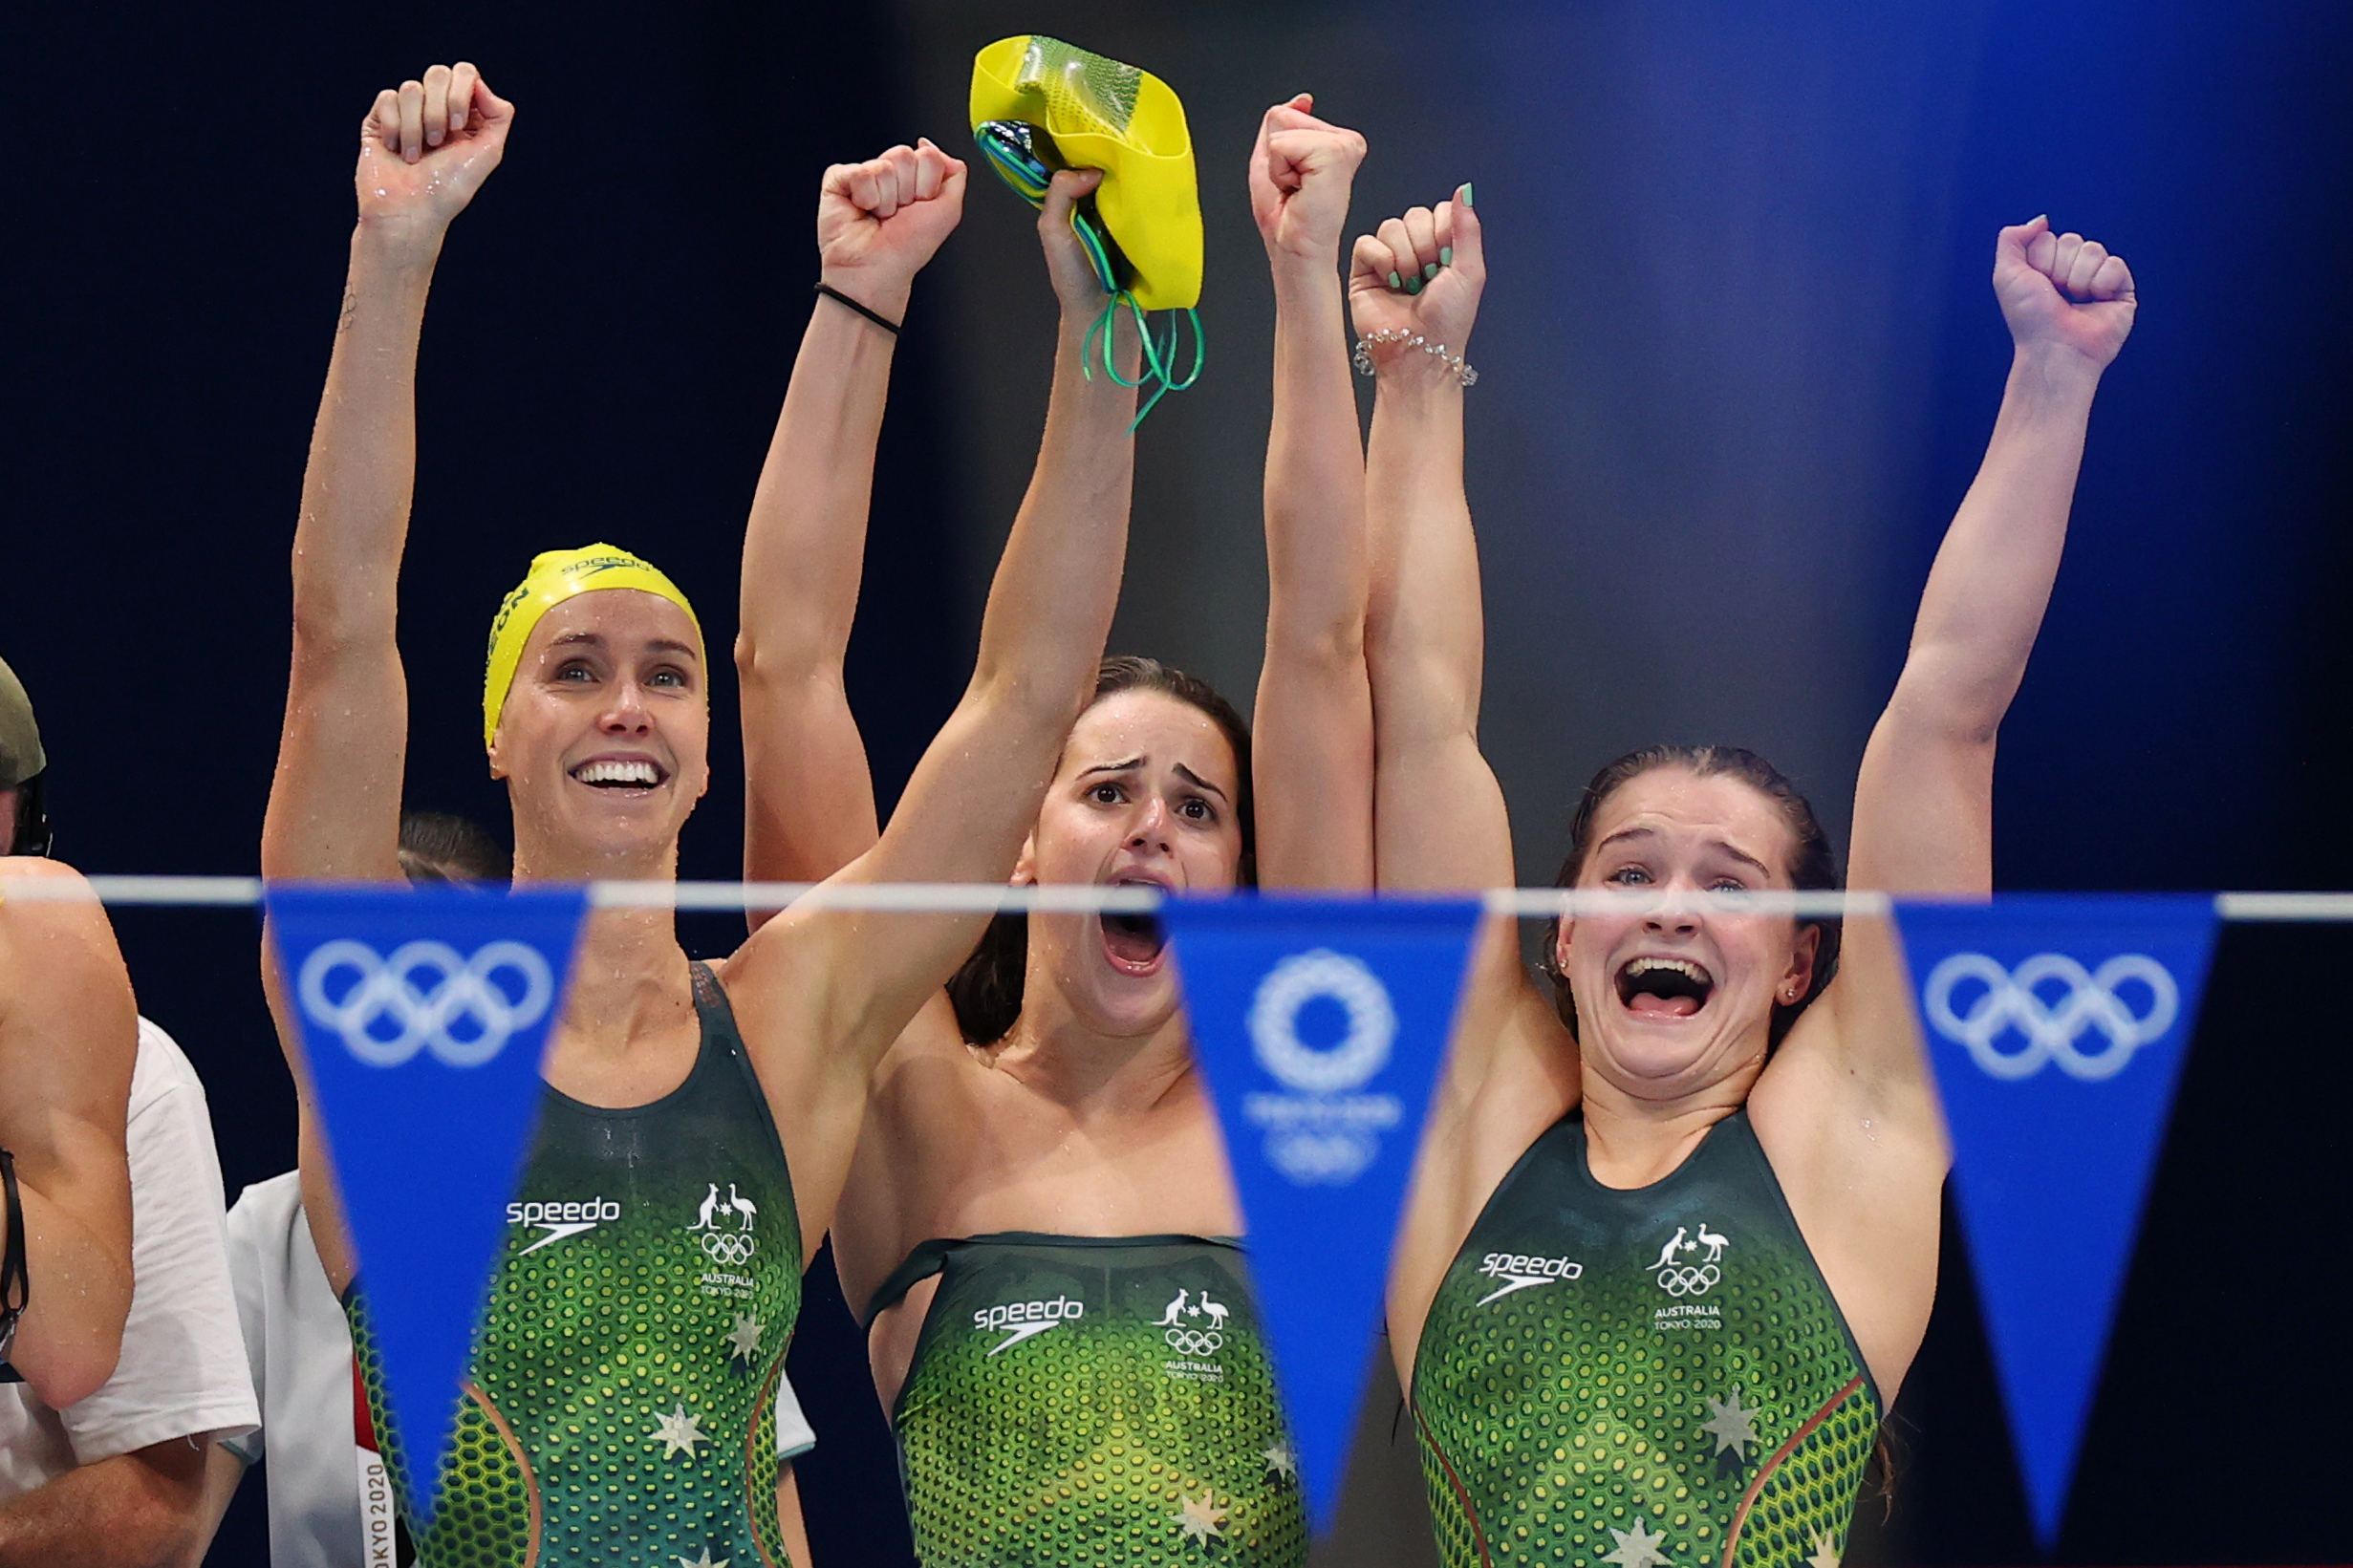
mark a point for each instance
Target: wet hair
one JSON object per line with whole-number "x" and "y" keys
{"x": 1813, "y": 865}
{"x": 436, "y": 846}
{"x": 986, "y": 992}
{"x": 27, "y": 831}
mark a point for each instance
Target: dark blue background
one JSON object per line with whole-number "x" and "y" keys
{"x": 609, "y": 336}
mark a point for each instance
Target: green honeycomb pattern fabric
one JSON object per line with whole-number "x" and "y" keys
{"x": 1080, "y": 1401}
{"x": 1080, "y": 86}
{"x": 620, "y": 1402}
{"x": 1641, "y": 1378}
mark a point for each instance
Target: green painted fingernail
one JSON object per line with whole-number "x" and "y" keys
{"x": 1395, "y": 282}
{"x": 1446, "y": 255}
{"x": 1413, "y": 286}
{"x": 1429, "y": 271}
{"x": 1466, "y": 195}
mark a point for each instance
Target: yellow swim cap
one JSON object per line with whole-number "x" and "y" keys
{"x": 1103, "y": 115}
{"x": 556, "y": 575}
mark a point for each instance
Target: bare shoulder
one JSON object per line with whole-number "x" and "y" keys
{"x": 55, "y": 930}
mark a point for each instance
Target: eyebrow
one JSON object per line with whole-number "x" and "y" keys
{"x": 596, "y": 639}
{"x": 1112, "y": 767}
{"x": 1187, "y": 773}
{"x": 1734, "y": 852}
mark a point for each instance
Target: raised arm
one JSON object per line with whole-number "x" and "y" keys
{"x": 334, "y": 804}
{"x": 69, "y": 1035}
{"x": 1922, "y": 819}
{"x": 974, "y": 797}
{"x": 808, "y": 796}
{"x": 1439, "y": 815}
{"x": 1313, "y": 733}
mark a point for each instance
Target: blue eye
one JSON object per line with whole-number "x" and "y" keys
{"x": 1629, "y": 875}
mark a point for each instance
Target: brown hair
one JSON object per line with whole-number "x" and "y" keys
{"x": 436, "y": 846}
{"x": 1812, "y": 865}
{"x": 986, "y": 992}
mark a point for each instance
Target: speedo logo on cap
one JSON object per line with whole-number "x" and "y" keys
{"x": 1520, "y": 1271}
{"x": 562, "y": 1219}
{"x": 1019, "y": 1321}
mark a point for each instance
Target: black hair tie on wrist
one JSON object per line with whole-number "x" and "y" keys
{"x": 15, "y": 1289}
{"x": 875, "y": 316}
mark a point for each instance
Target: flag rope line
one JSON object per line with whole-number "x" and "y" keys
{"x": 982, "y": 897}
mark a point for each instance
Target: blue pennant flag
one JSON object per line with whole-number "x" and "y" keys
{"x": 1319, "y": 1024}
{"x": 423, "y": 1012}
{"x": 2057, "y": 1026}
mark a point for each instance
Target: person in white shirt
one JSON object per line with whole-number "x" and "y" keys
{"x": 114, "y": 1480}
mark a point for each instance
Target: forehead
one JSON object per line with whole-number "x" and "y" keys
{"x": 1161, "y": 729}
{"x": 626, "y": 619}
{"x": 1676, "y": 805}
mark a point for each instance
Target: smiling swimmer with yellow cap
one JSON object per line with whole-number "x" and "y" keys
{"x": 667, "y": 1081}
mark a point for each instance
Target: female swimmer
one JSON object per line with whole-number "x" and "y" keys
{"x": 618, "y": 1401}
{"x": 1038, "y": 1225}
{"x": 1673, "y": 1244}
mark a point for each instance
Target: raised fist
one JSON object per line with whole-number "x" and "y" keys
{"x": 2063, "y": 290}
{"x": 426, "y": 146}
{"x": 1421, "y": 273}
{"x": 1073, "y": 275}
{"x": 1300, "y": 175}
{"x": 879, "y": 222}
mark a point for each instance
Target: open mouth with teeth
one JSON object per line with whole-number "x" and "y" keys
{"x": 1664, "y": 988}
{"x": 619, "y": 773}
{"x": 1134, "y": 942}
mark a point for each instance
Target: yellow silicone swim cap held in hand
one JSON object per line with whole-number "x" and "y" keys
{"x": 556, "y": 575}
{"x": 1098, "y": 114}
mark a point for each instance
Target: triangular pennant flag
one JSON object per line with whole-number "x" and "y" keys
{"x": 423, "y": 1012}
{"x": 2057, "y": 1026}
{"x": 1319, "y": 1024}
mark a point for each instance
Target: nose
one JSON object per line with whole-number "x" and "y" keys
{"x": 1150, "y": 830}
{"x": 1680, "y": 921}
{"x": 627, "y": 713}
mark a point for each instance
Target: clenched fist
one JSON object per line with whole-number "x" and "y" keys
{"x": 1422, "y": 273}
{"x": 428, "y": 145}
{"x": 879, "y": 222}
{"x": 1301, "y": 171}
{"x": 2063, "y": 292}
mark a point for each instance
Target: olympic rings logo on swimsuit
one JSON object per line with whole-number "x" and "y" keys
{"x": 1193, "y": 1342}
{"x": 2012, "y": 1000}
{"x": 729, "y": 1247}
{"x": 462, "y": 990}
{"x": 1679, "y": 1279}
{"x": 1304, "y": 977}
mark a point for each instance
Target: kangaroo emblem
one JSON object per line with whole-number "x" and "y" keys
{"x": 710, "y": 1206}
{"x": 1217, "y": 1310}
{"x": 1168, "y": 1319}
{"x": 1714, "y": 1243}
{"x": 1681, "y": 1243}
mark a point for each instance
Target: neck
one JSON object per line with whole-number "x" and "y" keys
{"x": 1058, "y": 1056}
{"x": 630, "y": 980}
{"x": 1638, "y": 1131}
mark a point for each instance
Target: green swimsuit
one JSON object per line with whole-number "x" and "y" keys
{"x": 1077, "y": 1401}
{"x": 620, "y": 1400}
{"x": 1643, "y": 1377}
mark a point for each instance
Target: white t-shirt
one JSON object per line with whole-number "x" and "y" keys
{"x": 300, "y": 1348}
{"x": 181, "y": 1373}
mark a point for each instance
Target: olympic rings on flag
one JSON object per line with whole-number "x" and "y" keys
{"x": 2012, "y": 1000}
{"x": 460, "y": 990}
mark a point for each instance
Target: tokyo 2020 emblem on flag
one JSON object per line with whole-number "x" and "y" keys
{"x": 2057, "y": 1026}
{"x": 1320, "y": 1023}
{"x": 423, "y": 1012}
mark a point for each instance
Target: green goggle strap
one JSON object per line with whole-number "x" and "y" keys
{"x": 1160, "y": 365}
